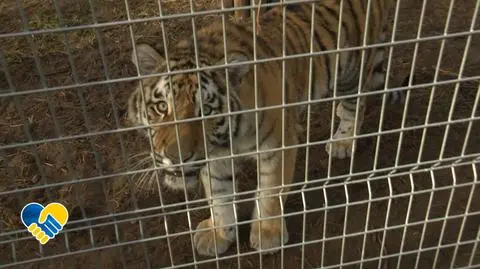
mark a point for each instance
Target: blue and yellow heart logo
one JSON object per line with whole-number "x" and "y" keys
{"x": 44, "y": 222}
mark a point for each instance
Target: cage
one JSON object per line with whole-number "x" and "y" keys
{"x": 408, "y": 197}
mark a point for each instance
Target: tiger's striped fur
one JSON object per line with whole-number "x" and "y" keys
{"x": 159, "y": 95}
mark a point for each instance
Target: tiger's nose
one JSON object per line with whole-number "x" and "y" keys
{"x": 172, "y": 153}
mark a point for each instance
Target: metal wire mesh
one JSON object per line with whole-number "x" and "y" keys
{"x": 407, "y": 198}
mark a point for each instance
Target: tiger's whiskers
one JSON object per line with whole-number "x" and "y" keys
{"x": 146, "y": 179}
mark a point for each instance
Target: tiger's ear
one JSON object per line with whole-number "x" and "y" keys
{"x": 148, "y": 58}
{"x": 236, "y": 73}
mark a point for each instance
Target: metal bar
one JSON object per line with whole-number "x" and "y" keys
{"x": 80, "y": 93}
{"x": 414, "y": 166}
{"x": 205, "y": 146}
{"x": 447, "y": 212}
{"x": 407, "y": 220}
{"x": 457, "y": 85}
{"x": 356, "y": 130}
{"x": 387, "y": 81}
{"x": 119, "y": 136}
{"x": 469, "y": 128}
{"x": 435, "y": 78}
{"x": 230, "y": 136}
{"x": 427, "y": 214}
{"x": 160, "y": 195}
{"x": 44, "y": 85}
{"x": 385, "y": 225}
{"x": 333, "y": 185}
{"x": 307, "y": 151}
{"x": 104, "y": 62}
{"x": 125, "y": 129}
{"x": 284, "y": 52}
{"x": 464, "y": 220}
{"x": 332, "y": 125}
{"x": 88, "y": 124}
{"x": 106, "y": 72}
{"x": 150, "y": 138}
{"x": 148, "y": 19}
{"x": 271, "y": 59}
{"x": 255, "y": 85}
{"x": 28, "y": 134}
{"x": 477, "y": 242}
{"x": 380, "y": 128}
{"x": 58, "y": 129}
{"x": 410, "y": 81}
{"x": 360, "y": 83}
{"x": 430, "y": 191}
{"x": 226, "y": 257}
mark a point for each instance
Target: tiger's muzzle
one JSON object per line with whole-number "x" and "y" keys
{"x": 179, "y": 175}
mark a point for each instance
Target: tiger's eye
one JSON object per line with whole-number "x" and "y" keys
{"x": 162, "y": 106}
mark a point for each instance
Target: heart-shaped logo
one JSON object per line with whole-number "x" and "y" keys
{"x": 44, "y": 222}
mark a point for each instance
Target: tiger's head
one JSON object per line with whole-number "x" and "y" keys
{"x": 155, "y": 98}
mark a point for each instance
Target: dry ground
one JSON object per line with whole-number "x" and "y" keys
{"x": 83, "y": 158}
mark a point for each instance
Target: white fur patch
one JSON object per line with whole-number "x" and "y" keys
{"x": 176, "y": 183}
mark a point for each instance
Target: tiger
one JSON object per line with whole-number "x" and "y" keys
{"x": 205, "y": 91}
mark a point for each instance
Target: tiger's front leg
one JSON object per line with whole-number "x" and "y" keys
{"x": 272, "y": 232}
{"x": 241, "y": 13}
{"x": 346, "y": 112}
{"x": 211, "y": 237}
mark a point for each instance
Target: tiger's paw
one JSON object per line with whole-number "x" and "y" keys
{"x": 271, "y": 235}
{"x": 340, "y": 149}
{"x": 205, "y": 240}
{"x": 237, "y": 19}
{"x": 343, "y": 148}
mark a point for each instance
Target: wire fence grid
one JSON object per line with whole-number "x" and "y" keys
{"x": 408, "y": 198}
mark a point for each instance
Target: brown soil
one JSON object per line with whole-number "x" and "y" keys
{"x": 393, "y": 202}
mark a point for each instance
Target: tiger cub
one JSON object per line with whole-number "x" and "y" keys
{"x": 180, "y": 95}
